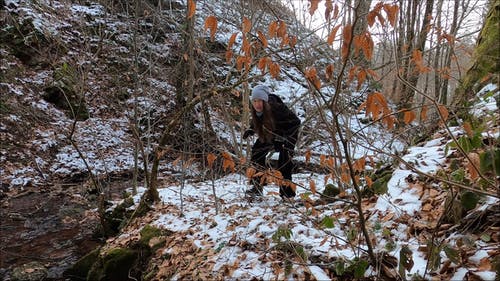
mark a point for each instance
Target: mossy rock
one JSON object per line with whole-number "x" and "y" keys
{"x": 24, "y": 42}
{"x": 486, "y": 62}
{"x": 120, "y": 263}
{"x": 82, "y": 267}
{"x": 330, "y": 193}
{"x": 67, "y": 100}
{"x": 148, "y": 232}
{"x": 119, "y": 216}
{"x": 114, "y": 266}
{"x": 380, "y": 180}
{"x": 32, "y": 271}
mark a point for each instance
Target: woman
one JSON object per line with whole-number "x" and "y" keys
{"x": 277, "y": 128}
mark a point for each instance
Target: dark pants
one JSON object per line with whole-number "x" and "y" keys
{"x": 285, "y": 165}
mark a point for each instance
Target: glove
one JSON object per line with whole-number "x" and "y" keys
{"x": 248, "y": 133}
{"x": 278, "y": 144}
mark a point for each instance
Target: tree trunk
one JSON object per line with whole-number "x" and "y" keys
{"x": 443, "y": 97}
{"x": 361, "y": 13}
{"x": 486, "y": 67}
{"x": 437, "y": 54}
{"x": 410, "y": 72}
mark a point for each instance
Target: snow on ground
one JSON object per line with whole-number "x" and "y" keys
{"x": 243, "y": 231}
{"x": 105, "y": 146}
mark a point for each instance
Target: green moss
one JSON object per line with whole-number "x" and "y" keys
{"x": 29, "y": 272}
{"x": 150, "y": 275}
{"x": 117, "y": 218}
{"x": 379, "y": 182}
{"x": 149, "y": 232}
{"x": 82, "y": 267}
{"x": 486, "y": 56}
{"x": 67, "y": 100}
{"x": 4, "y": 109}
{"x": 331, "y": 191}
{"x": 114, "y": 266}
{"x": 24, "y": 41}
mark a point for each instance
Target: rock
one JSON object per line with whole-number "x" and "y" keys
{"x": 32, "y": 271}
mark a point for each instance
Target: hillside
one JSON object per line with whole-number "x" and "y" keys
{"x": 88, "y": 90}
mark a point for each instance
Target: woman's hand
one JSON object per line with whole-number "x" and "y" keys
{"x": 248, "y": 133}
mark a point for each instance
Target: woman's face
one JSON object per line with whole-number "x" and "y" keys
{"x": 258, "y": 105}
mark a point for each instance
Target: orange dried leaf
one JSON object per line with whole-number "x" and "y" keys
{"x": 390, "y": 121}
{"x": 417, "y": 58}
{"x": 308, "y": 156}
{"x": 486, "y": 78}
{"x": 443, "y": 112}
{"x": 330, "y": 162}
{"x": 232, "y": 39}
{"x": 336, "y": 11}
{"x": 327, "y": 177}
{"x": 292, "y": 41}
{"x": 228, "y": 163}
{"x": 361, "y": 78}
{"x": 273, "y": 29}
{"x": 344, "y": 50}
{"x": 324, "y": 240}
{"x": 251, "y": 172}
{"x": 468, "y": 129}
{"x": 473, "y": 164}
{"x": 285, "y": 40}
{"x": 246, "y": 25}
{"x": 372, "y": 73}
{"x": 262, "y": 38}
{"x": 211, "y": 23}
{"x": 246, "y": 46}
{"x": 369, "y": 181}
{"x": 210, "y": 159}
{"x": 371, "y": 17}
{"x": 313, "y": 6}
{"x": 191, "y": 8}
{"x": 345, "y": 178}
{"x": 331, "y": 36}
{"x": 368, "y": 46}
{"x": 484, "y": 264}
{"x": 329, "y": 71}
{"x": 274, "y": 70}
{"x": 239, "y": 62}
{"x": 346, "y": 33}
{"x": 282, "y": 29}
{"x": 229, "y": 56}
{"x": 392, "y": 13}
{"x": 262, "y": 64}
{"x": 312, "y": 185}
{"x": 409, "y": 116}
{"x": 423, "y": 113}
{"x": 328, "y": 9}
{"x": 359, "y": 165}
{"x": 322, "y": 160}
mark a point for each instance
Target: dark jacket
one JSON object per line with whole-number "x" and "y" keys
{"x": 286, "y": 123}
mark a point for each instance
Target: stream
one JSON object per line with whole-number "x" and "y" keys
{"x": 50, "y": 227}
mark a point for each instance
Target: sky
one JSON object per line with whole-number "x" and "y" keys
{"x": 472, "y": 20}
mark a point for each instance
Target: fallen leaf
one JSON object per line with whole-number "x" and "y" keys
{"x": 484, "y": 264}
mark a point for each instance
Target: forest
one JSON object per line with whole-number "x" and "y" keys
{"x": 123, "y": 158}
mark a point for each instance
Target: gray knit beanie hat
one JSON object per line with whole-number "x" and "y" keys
{"x": 261, "y": 92}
